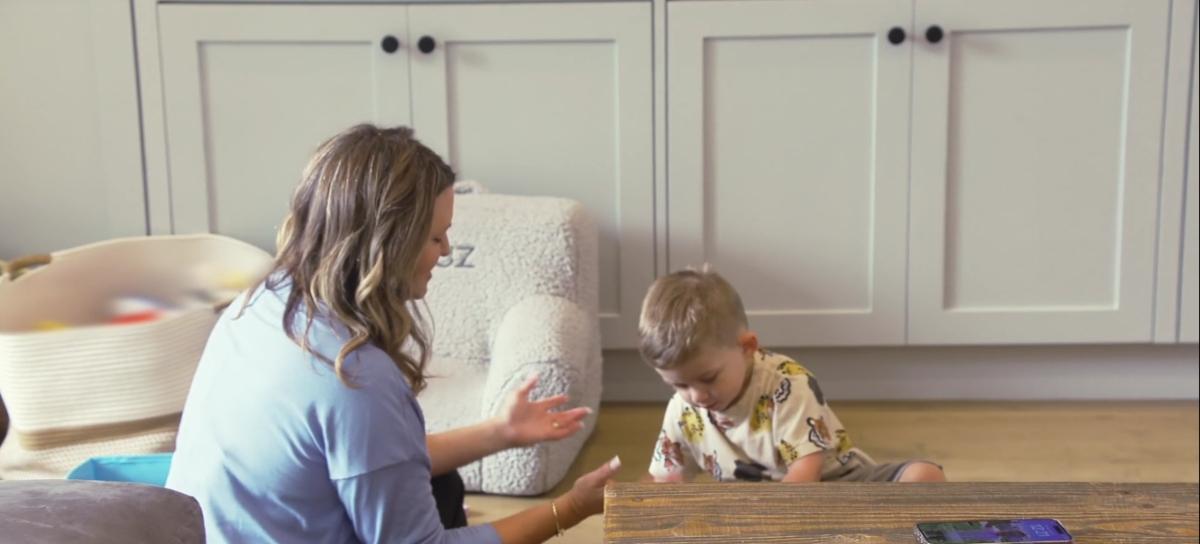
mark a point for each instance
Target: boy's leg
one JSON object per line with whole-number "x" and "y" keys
{"x": 449, "y": 492}
{"x": 861, "y": 468}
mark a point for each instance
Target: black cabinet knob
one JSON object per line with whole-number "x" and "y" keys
{"x": 389, "y": 44}
{"x": 934, "y": 34}
{"x": 896, "y": 35}
{"x": 426, "y": 44}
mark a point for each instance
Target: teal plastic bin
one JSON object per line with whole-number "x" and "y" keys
{"x": 142, "y": 469}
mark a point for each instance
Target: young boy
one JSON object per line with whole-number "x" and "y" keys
{"x": 740, "y": 412}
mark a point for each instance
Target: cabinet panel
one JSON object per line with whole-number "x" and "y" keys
{"x": 1036, "y": 135}
{"x": 1173, "y": 196}
{"x": 1189, "y": 278}
{"x": 1009, "y": 223}
{"x": 551, "y": 100}
{"x": 250, "y": 91}
{"x": 787, "y": 153}
{"x": 69, "y": 138}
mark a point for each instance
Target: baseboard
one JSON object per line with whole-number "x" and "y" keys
{"x": 1110, "y": 372}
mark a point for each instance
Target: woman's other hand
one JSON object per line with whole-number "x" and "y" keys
{"x": 586, "y": 497}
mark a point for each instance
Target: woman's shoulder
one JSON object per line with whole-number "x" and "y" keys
{"x": 367, "y": 373}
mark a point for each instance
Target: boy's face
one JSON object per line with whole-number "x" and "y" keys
{"x": 714, "y": 376}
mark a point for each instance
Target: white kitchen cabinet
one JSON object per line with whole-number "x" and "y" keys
{"x": 545, "y": 99}
{"x": 1036, "y": 133}
{"x": 788, "y": 161}
{"x": 550, "y": 99}
{"x": 250, "y": 91}
{"x": 999, "y": 185}
{"x": 992, "y": 177}
{"x": 69, "y": 139}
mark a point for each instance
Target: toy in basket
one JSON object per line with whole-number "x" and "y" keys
{"x": 99, "y": 344}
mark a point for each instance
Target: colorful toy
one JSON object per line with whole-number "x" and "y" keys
{"x": 50, "y": 325}
{"x": 137, "y": 309}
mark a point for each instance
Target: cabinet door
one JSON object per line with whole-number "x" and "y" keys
{"x": 1036, "y": 138}
{"x": 788, "y": 161}
{"x": 553, "y": 100}
{"x": 250, "y": 91}
{"x": 70, "y": 150}
{"x": 1189, "y": 279}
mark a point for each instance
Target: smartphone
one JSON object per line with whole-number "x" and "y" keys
{"x": 1030, "y": 531}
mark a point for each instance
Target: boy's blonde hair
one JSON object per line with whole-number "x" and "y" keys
{"x": 686, "y": 310}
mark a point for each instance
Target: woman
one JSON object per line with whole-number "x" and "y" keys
{"x": 302, "y": 423}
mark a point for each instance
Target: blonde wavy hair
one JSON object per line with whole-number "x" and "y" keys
{"x": 350, "y": 243}
{"x": 685, "y": 311}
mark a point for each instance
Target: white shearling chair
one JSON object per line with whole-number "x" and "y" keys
{"x": 518, "y": 295}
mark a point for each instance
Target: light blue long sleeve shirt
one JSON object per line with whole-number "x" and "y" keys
{"x": 276, "y": 449}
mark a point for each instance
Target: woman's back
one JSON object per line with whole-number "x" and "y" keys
{"x": 273, "y": 445}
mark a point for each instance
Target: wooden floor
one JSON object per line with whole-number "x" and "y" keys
{"x": 986, "y": 441}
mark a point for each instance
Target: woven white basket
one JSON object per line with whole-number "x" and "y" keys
{"x": 90, "y": 389}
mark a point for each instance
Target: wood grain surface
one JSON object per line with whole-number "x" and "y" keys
{"x": 1144, "y": 513}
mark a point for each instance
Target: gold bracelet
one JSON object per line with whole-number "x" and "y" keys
{"x": 557, "y": 527}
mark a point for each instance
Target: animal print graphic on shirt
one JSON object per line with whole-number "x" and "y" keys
{"x": 787, "y": 452}
{"x": 816, "y": 389}
{"x": 764, "y": 411}
{"x": 819, "y": 433}
{"x": 692, "y": 425}
{"x": 711, "y": 466}
{"x": 669, "y": 454}
{"x": 844, "y": 446}
{"x": 792, "y": 368}
{"x": 784, "y": 391}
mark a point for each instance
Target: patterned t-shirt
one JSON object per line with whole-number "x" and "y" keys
{"x": 781, "y": 417}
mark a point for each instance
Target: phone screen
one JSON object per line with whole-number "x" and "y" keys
{"x": 987, "y": 532}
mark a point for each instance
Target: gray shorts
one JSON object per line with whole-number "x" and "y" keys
{"x": 864, "y": 469}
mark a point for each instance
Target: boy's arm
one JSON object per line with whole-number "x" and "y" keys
{"x": 802, "y": 431}
{"x": 805, "y": 469}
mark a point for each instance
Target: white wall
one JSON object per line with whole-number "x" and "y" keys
{"x": 1117, "y": 372}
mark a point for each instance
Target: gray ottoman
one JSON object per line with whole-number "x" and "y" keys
{"x": 86, "y": 512}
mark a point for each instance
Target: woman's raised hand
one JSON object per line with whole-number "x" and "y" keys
{"x": 524, "y": 422}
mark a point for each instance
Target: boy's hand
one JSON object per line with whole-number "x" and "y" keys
{"x": 672, "y": 478}
{"x": 523, "y": 422}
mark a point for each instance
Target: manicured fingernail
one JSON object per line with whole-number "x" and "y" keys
{"x": 615, "y": 463}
